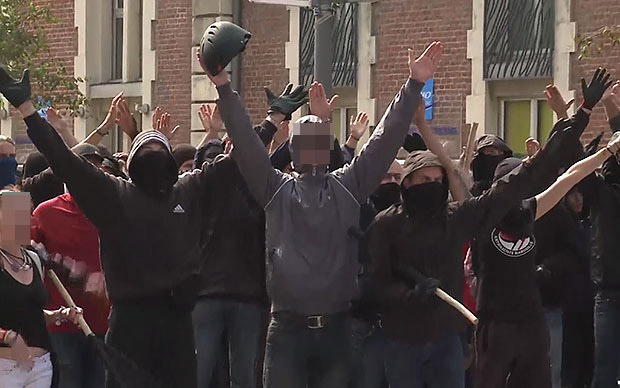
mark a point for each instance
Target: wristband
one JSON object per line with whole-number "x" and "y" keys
{"x": 101, "y": 133}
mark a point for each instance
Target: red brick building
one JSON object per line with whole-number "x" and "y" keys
{"x": 490, "y": 75}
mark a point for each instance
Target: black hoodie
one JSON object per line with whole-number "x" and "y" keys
{"x": 150, "y": 246}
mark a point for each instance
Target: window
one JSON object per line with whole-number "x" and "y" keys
{"x": 522, "y": 119}
{"x": 117, "y": 39}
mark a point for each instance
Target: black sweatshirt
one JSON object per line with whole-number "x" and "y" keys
{"x": 234, "y": 260}
{"x": 149, "y": 246}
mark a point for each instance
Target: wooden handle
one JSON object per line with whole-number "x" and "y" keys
{"x": 469, "y": 149}
{"x": 457, "y": 305}
{"x": 68, "y": 300}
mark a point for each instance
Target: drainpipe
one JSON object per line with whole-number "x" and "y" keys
{"x": 236, "y": 62}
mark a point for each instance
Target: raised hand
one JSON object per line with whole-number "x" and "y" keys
{"x": 125, "y": 119}
{"x": 614, "y": 144}
{"x": 423, "y": 68}
{"x": 420, "y": 115}
{"x": 556, "y": 102}
{"x": 16, "y": 92}
{"x": 110, "y": 118}
{"x": 319, "y": 104}
{"x": 54, "y": 117}
{"x": 165, "y": 126}
{"x": 359, "y": 125}
{"x": 288, "y": 101}
{"x": 593, "y": 92}
{"x": 210, "y": 118}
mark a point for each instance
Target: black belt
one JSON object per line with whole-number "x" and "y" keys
{"x": 311, "y": 321}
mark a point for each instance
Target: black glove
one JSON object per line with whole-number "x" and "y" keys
{"x": 593, "y": 92}
{"x": 287, "y": 102}
{"x": 424, "y": 288}
{"x": 17, "y": 92}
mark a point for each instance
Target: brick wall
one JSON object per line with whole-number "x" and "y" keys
{"x": 589, "y": 17}
{"x": 262, "y": 63}
{"x": 63, "y": 46}
{"x": 173, "y": 42}
{"x": 402, "y": 24}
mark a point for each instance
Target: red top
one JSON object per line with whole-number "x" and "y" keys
{"x": 61, "y": 226}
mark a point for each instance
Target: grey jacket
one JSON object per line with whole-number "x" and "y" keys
{"x": 312, "y": 254}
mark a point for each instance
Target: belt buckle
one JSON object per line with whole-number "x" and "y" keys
{"x": 315, "y": 322}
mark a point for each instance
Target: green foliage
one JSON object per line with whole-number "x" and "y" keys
{"x": 595, "y": 41}
{"x": 22, "y": 43}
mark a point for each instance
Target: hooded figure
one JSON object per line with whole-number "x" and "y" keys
{"x": 427, "y": 199}
{"x": 184, "y": 157}
{"x": 151, "y": 166}
{"x": 490, "y": 150}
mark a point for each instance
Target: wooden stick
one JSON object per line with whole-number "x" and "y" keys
{"x": 457, "y": 305}
{"x": 469, "y": 149}
{"x": 69, "y": 300}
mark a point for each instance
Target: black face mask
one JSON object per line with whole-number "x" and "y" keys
{"x": 152, "y": 172}
{"x": 483, "y": 167}
{"x": 385, "y": 196}
{"x": 517, "y": 222}
{"x": 426, "y": 199}
{"x": 611, "y": 171}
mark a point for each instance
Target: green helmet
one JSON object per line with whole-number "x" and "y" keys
{"x": 221, "y": 42}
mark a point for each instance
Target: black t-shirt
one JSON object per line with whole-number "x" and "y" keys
{"x": 508, "y": 288}
{"x": 21, "y": 308}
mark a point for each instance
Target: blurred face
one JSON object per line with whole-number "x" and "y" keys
{"x": 532, "y": 147}
{"x": 394, "y": 174}
{"x": 424, "y": 175}
{"x": 574, "y": 200}
{"x": 15, "y": 219}
{"x": 6, "y": 149}
{"x": 491, "y": 151}
{"x": 312, "y": 144}
{"x": 186, "y": 166}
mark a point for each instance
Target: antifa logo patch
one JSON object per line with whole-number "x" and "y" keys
{"x": 512, "y": 246}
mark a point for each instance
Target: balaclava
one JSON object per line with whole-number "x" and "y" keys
{"x": 388, "y": 194}
{"x": 483, "y": 166}
{"x": 153, "y": 171}
{"x": 425, "y": 200}
{"x": 310, "y": 144}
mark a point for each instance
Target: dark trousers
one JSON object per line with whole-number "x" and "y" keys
{"x": 437, "y": 364}
{"x": 79, "y": 365}
{"x": 240, "y": 325}
{"x": 159, "y": 338}
{"x": 368, "y": 355}
{"x": 513, "y": 355}
{"x": 300, "y": 357}
{"x": 607, "y": 340}
{"x": 577, "y": 349}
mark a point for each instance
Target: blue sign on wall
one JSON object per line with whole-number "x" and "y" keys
{"x": 428, "y": 92}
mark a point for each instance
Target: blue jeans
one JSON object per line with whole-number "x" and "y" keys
{"x": 240, "y": 324}
{"x": 437, "y": 364}
{"x": 554, "y": 322}
{"x": 369, "y": 355}
{"x": 607, "y": 340}
{"x": 79, "y": 366}
{"x": 299, "y": 357}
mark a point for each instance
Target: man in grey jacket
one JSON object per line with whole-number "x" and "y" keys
{"x": 312, "y": 258}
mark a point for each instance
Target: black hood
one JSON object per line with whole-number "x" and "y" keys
{"x": 167, "y": 173}
{"x": 417, "y": 160}
{"x": 492, "y": 141}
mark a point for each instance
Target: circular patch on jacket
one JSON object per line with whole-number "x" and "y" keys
{"x": 512, "y": 246}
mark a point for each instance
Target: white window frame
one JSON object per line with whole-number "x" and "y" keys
{"x": 533, "y": 115}
{"x": 117, "y": 13}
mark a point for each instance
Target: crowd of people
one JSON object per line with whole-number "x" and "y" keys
{"x": 277, "y": 257}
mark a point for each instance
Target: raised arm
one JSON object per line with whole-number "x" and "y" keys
{"x": 365, "y": 172}
{"x": 93, "y": 190}
{"x": 248, "y": 150}
{"x": 458, "y": 188}
{"x": 550, "y": 197}
{"x": 59, "y": 124}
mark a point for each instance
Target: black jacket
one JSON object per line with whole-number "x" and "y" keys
{"x": 435, "y": 248}
{"x": 149, "y": 246}
{"x": 234, "y": 259}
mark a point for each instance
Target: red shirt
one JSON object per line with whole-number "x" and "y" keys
{"x": 61, "y": 226}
